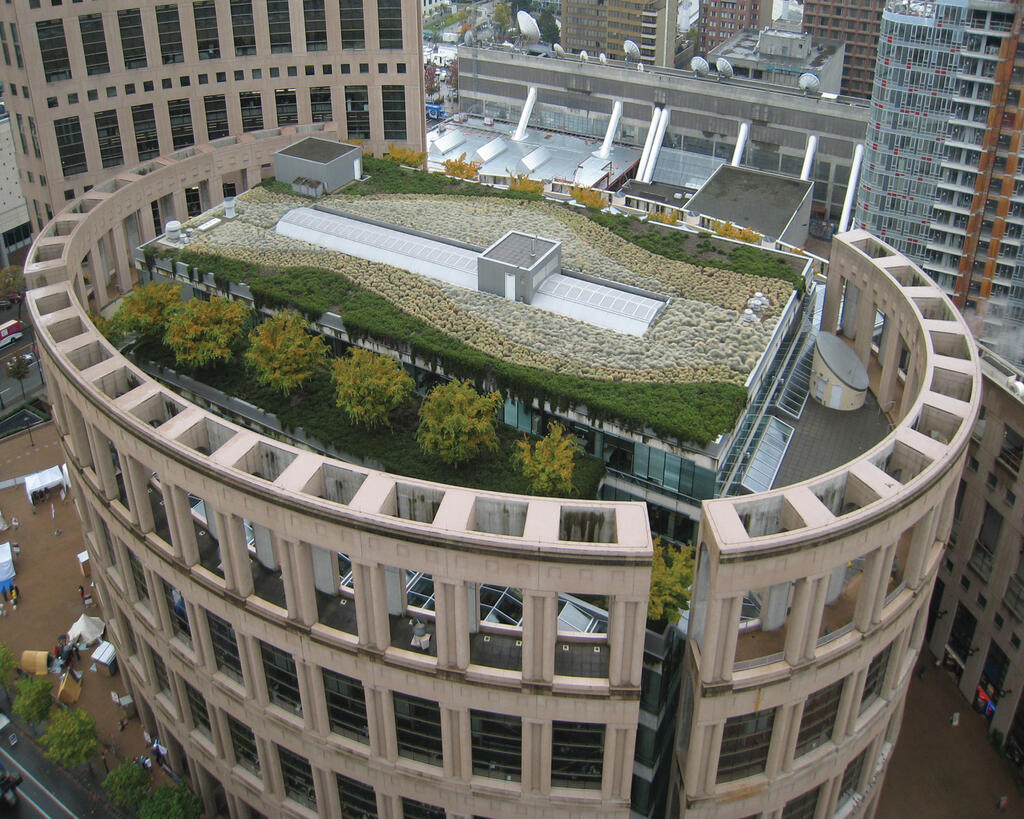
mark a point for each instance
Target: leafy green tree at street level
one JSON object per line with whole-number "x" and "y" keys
{"x": 204, "y": 332}
{"x": 549, "y": 32}
{"x": 369, "y": 386}
{"x": 128, "y": 784}
{"x": 18, "y": 369}
{"x": 502, "y": 19}
{"x": 549, "y": 463}
{"x": 147, "y": 310}
{"x": 171, "y": 802}
{"x": 34, "y": 700}
{"x": 671, "y": 581}
{"x": 70, "y": 738}
{"x": 8, "y": 665}
{"x": 457, "y": 423}
{"x": 283, "y": 353}
{"x": 12, "y": 279}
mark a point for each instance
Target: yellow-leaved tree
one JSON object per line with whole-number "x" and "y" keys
{"x": 406, "y": 156}
{"x": 205, "y": 332}
{"x": 549, "y": 463}
{"x": 671, "y": 581}
{"x": 368, "y": 386}
{"x": 457, "y": 423}
{"x": 461, "y": 168}
{"x": 283, "y": 354}
{"x": 588, "y": 197}
{"x": 147, "y": 310}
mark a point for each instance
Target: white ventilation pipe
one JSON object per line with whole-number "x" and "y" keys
{"x": 659, "y": 137}
{"x": 851, "y": 189}
{"x": 812, "y": 147}
{"x": 613, "y": 126}
{"x": 524, "y": 119}
{"x": 741, "y": 144}
{"x": 646, "y": 153}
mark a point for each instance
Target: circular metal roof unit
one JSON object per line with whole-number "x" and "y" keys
{"x": 632, "y": 50}
{"x": 528, "y": 27}
{"x": 809, "y": 83}
{"x": 724, "y": 68}
{"x": 700, "y": 67}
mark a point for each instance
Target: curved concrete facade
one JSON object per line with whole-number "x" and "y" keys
{"x": 267, "y": 631}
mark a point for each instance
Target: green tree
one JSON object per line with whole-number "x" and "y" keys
{"x": 549, "y": 463}
{"x": 108, "y": 327}
{"x": 70, "y": 738}
{"x": 283, "y": 354}
{"x": 368, "y": 386}
{"x": 549, "y": 32}
{"x": 34, "y": 700}
{"x": 171, "y": 802}
{"x": 502, "y": 19}
{"x": 18, "y": 368}
{"x": 12, "y": 279}
{"x": 204, "y": 332}
{"x": 128, "y": 784}
{"x": 147, "y": 310}
{"x": 671, "y": 581}
{"x": 8, "y": 665}
{"x": 457, "y": 422}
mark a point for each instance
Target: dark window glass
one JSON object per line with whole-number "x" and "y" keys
{"x": 108, "y": 134}
{"x": 243, "y": 742}
{"x": 168, "y": 25}
{"x": 802, "y": 807}
{"x": 138, "y": 578}
{"x": 180, "y": 114}
{"x": 216, "y": 116}
{"x": 133, "y": 42}
{"x": 497, "y": 744}
{"x": 320, "y": 104}
{"x": 287, "y": 107}
{"x": 280, "y": 27}
{"x": 298, "y": 778}
{"x": 393, "y": 108}
{"x": 162, "y": 681}
{"x": 414, "y": 809}
{"x": 252, "y": 110}
{"x": 851, "y": 778}
{"x": 243, "y": 28}
{"x": 418, "y": 724}
{"x": 819, "y": 718}
{"x": 346, "y": 706}
{"x": 358, "y": 801}
{"x": 315, "y": 16}
{"x": 357, "y": 112}
{"x": 875, "y": 676}
{"x": 197, "y": 707}
{"x": 3, "y": 45}
{"x": 16, "y": 42}
{"x": 147, "y": 142}
{"x": 745, "y": 743}
{"x": 577, "y": 754}
{"x": 353, "y": 30}
{"x": 282, "y": 681}
{"x": 20, "y": 120}
{"x": 207, "y": 38}
{"x": 225, "y": 646}
{"x": 179, "y": 614}
{"x": 94, "y": 44}
{"x": 53, "y": 49}
{"x": 389, "y": 23}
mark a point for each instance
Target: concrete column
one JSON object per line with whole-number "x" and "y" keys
{"x": 847, "y": 321}
{"x": 451, "y": 630}
{"x": 297, "y": 570}
{"x": 846, "y": 705}
{"x": 303, "y": 672}
{"x": 252, "y": 668}
{"x": 537, "y": 736}
{"x": 836, "y": 581}
{"x": 394, "y": 590}
{"x": 181, "y": 523}
{"x": 456, "y": 742}
{"x": 864, "y": 327}
{"x": 627, "y": 623}
{"x": 136, "y": 483}
{"x": 788, "y": 750}
{"x": 380, "y": 713}
{"x": 234, "y": 553}
{"x": 617, "y": 764}
{"x": 121, "y": 261}
{"x": 264, "y": 547}
{"x": 180, "y": 205}
{"x": 815, "y": 613}
{"x": 890, "y": 361}
{"x": 803, "y": 598}
{"x": 782, "y": 733}
{"x": 922, "y": 541}
{"x": 707, "y": 765}
{"x": 80, "y": 439}
{"x": 888, "y": 553}
{"x": 540, "y": 627}
{"x": 774, "y": 605}
{"x": 870, "y": 574}
{"x": 325, "y": 570}
{"x": 103, "y": 462}
{"x": 315, "y": 706}
{"x": 371, "y": 611}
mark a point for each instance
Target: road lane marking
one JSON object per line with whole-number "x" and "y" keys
{"x": 38, "y": 784}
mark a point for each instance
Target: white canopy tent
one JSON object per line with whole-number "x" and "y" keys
{"x": 86, "y": 629}
{"x": 6, "y": 567}
{"x": 47, "y": 479}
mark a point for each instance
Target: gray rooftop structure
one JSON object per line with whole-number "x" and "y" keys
{"x": 780, "y": 56}
{"x": 520, "y": 249}
{"x": 313, "y": 149}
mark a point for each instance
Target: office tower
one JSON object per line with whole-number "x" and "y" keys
{"x": 855, "y": 23}
{"x": 602, "y": 26}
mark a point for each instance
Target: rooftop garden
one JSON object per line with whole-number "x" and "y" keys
{"x": 682, "y": 379}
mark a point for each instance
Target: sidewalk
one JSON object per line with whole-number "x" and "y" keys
{"x": 48, "y": 577}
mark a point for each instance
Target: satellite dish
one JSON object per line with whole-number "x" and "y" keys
{"x": 700, "y": 67}
{"x": 603, "y": 58}
{"x": 469, "y": 38}
{"x": 724, "y": 68}
{"x": 632, "y": 50}
{"x": 809, "y": 83}
{"x": 559, "y": 51}
{"x": 584, "y": 56}
{"x": 528, "y": 27}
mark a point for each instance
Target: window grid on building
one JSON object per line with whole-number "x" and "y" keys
{"x": 53, "y": 49}
{"x": 282, "y": 680}
{"x": 133, "y": 41}
{"x": 298, "y": 777}
{"x": 216, "y": 116}
{"x": 320, "y": 106}
{"x": 94, "y": 44}
{"x": 243, "y": 28}
{"x": 197, "y": 708}
{"x": 243, "y": 743}
{"x": 577, "y": 754}
{"x": 803, "y": 806}
{"x": 315, "y": 16}
{"x": 287, "y": 106}
{"x": 280, "y": 27}
{"x": 414, "y": 809}
{"x": 389, "y": 23}
{"x": 874, "y": 678}
{"x": 225, "y": 646}
{"x": 163, "y": 682}
{"x": 138, "y": 578}
{"x": 819, "y": 718}
{"x": 745, "y": 743}
{"x": 179, "y": 614}
{"x": 353, "y": 28}
{"x": 108, "y": 134}
{"x": 851, "y": 778}
{"x": 168, "y": 25}
{"x": 207, "y": 38}
{"x": 418, "y": 725}
{"x": 251, "y": 106}
{"x": 346, "y": 705}
{"x": 358, "y": 801}
{"x": 357, "y": 112}
{"x": 147, "y": 140}
{"x": 497, "y": 745}
{"x": 393, "y": 110}
{"x": 179, "y": 112}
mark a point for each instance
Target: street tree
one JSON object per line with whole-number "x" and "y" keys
{"x": 283, "y": 354}
{"x": 549, "y": 31}
{"x": 205, "y": 332}
{"x": 128, "y": 784}
{"x": 34, "y": 699}
{"x": 171, "y": 802}
{"x": 147, "y": 310}
{"x": 502, "y": 19}
{"x": 368, "y": 386}
{"x": 8, "y": 665}
{"x": 453, "y": 74}
{"x": 70, "y": 738}
{"x": 457, "y": 423}
{"x": 430, "y": 79}
{"x": 18, "y": 368}
{"x": 12, "y": 280}
{"x": 549, "y": 463}
{"x": 671, "y": 581}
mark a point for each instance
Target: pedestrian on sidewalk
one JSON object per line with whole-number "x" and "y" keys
{"x": 921, "y": 671}
{"x": 1003, "y": 802}
{"x": 81, "y": 593}
{"x": 954, "y": 719}
{"x": 14, "y": 597}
